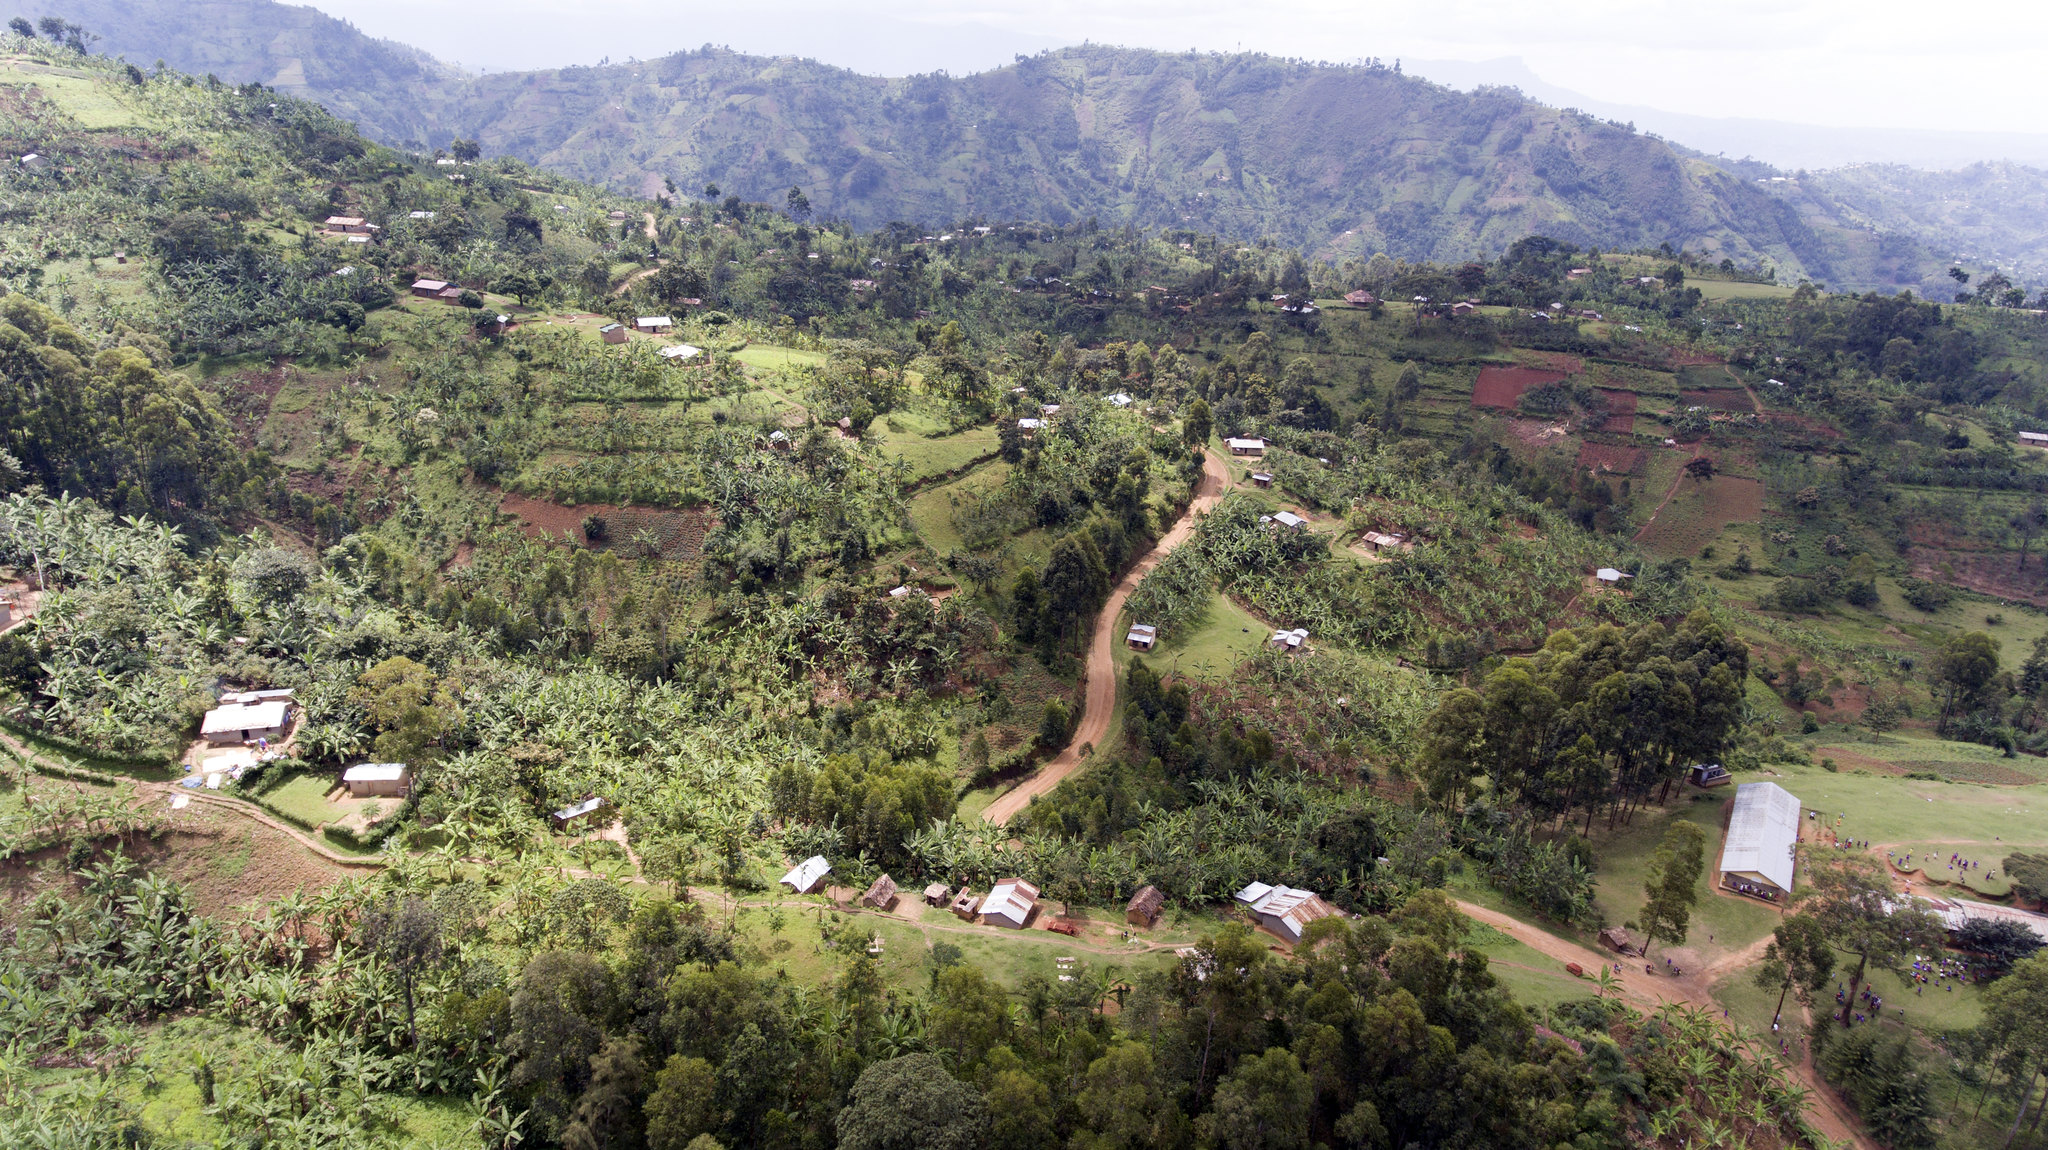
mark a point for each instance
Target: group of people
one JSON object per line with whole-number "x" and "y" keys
{"x": 1754, "y": 890}
{"x": 1871, "y": 1001}
{"x": 1943, "y": 972}
{"x": 1957, "y": 864}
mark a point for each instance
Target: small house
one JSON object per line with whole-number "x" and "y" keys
{"x": 1618, "y": 940}
{"x": 429, "y": 289}
{"x": 1464, "y": 307}
{"x": 615, "y": 215}
{"x": 1284, "y": 910}
{"x": 1360, "y": 298}
{"x": 1245, "y": 446}
{"x": 347, "y": 224}
{"x": 1142, "y": 636}
{"x": 779, "y": 440}
{"x": 1380, "y": 541}
{"x": 654, "y": 324}
{"x": 1048, "y": 410}
{"x": 120, "y": 257}
{"x": 375, "y": 779}
{"x": 681, "y": 351}
{"x": 1120, "y": 400}
{"x": 1708, "y": 775}
{"x": 583, "y": 811}
{"x": 900, "y": 592}
{"x": 1289, "y": 641}
{"x": 1010, "y": 904}
{"x": 246, "y": 722}
{"x": 452, "y": 294}
{"x": 612, "y": 333}
{"x": 1144, "y": 907}
{"x": 1611, "y": 576}
{"x": 937, "y": 894}
{"x": 417, "y": 214}
{"x": 1285, "y": 519}
{"x": 965, "y": 904}
{"x": 1029, "y": 426}
{"x": 34, "y": 162}
{"x": 882, "y": 895}
{"x": 2035, "y": 438}
{"x": 806, "y": 876}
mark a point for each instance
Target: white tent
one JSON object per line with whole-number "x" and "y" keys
{"x": 1762, "y": 830}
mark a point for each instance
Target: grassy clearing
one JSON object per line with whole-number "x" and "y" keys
{"x": 82, "y": 98}
{"x": 1719, "y": 925}
{"x": 1895, "y": 809}
{"x": 1699, "y": 512}
{"x": 1533, "y": 977}
{"x": 768, "y": 355}
{"x": 1729, "y": 289}
{"x": 2017, "y": 627}
{"x": 930, "y": 455}
{"x": 931, "y": 512}
{"x": 1223, "y": 636}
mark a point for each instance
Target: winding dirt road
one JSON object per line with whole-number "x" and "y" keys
{"x": 1099, "y": 702}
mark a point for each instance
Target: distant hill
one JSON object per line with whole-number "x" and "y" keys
{"x": 385, "y": 87}
{"x": 1340, "y": 160}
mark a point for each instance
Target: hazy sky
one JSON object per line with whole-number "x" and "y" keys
{"x": 1874, "y": 63}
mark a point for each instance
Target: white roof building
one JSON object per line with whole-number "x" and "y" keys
{"x": 240, "y": 722}
{"x": 1290, "y": 640}
{"x": 1284, "y": 910}
{"x": 1049, "y": 409}
{"x": 570, "y": 813}
{"x": 1010, "y": 904}
{"x": 1289, "y": 520}
{"x": 681, "y": 351}
{"x": 373, "y": 773}
{"x": 2034, "y": 437}
{"x": 1242, "y": 446}
{"x": 1763, "y": 828}
{"x": 1142, "y": 635}
{"x": 1957, "y": 913}
{"x": 1611, "y": 575}
{"x": 652, "y": 322}
{"x": 806, "y": 875}
{"x": 1029, "y": 424}
{"x": 1120, "y": 400}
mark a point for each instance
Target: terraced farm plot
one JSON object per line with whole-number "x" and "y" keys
{"x": 676, "y": 535}
{"x": 1700, "y": 511}
{"x": 1610, "y": 459}
{"x": 1502, "y": 386}
{"x": 1626, "y": 377}
{"x": 1719, "y": 399}
{"x": 1621, "y": 411}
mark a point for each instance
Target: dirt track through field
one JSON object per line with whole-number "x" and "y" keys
{"x": 1100, "y": 698}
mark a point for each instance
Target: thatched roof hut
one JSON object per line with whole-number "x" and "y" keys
{"x": 882, "y": 895}
{"x": 938, "y": 894}
{"x": 1144, "y": 907}
{"x": 1618, "y": 939}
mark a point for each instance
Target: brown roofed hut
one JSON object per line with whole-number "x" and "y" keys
{"x": 1144, "y": 907}
{"x": 882, "y": 895}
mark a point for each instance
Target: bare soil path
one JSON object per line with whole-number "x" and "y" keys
{"x": 1100, "y": 676}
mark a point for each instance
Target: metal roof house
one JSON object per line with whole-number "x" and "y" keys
{"x": 612, "y": 333}
{"x": 1243, "y": 446}
{"x": 653, "y": 323}
{"x": 806, "y": 875}
{"x": 1120, "y": 400}
{"x": 247, "y": 722}
{"x": 1763, "y": 828}
{"x": 1289, "y": 641}
{"x": 1284, "y": 910}
{"x": 1010, "y": 904}
{"x": 1956, "y": 913}
{"x": 584, "y": 809}
{"x": 367, "y": 779}
{"x": 1611, "y": 575}
{"x": 681, "y": 351}
{"x": 1142, "y": 636}
{"x": 2037, "y": 438}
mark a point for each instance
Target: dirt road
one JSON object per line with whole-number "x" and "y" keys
{"x": 1100, "y": 700}
{"x": 1650, "y": 991}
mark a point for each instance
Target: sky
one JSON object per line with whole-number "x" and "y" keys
{"x": 1869, "y": 63}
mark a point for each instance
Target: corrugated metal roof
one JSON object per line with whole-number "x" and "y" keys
{"x": 245, "y": 717}
{"x": 374, "y": 773}
{"x": 1762, "y": 830}
{"x": 806, "y": 874}
{"x": 1011, "y": 899}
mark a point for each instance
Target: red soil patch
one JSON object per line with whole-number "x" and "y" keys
{"x": 1621, "y": 411}
{"x": 679, "y": 535}
{"x": 1502, "y": 386}
{"x": 1679, "y": 357}
{"x": 1804, "y": 423}
{"x": 1719, "y": 399}
{"x": 1610, "y": 458}
{"x": 1988, "y": 572}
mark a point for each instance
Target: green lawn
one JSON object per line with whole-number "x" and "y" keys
{"x": 1719, "y": 925}
{"x": 1729, "y": 289}
{"x": 931, "y": 511}
{"x": 768, "y": 355}
{"x": 1895, "y": 809}
{"x": 1221, "y": 638}
{"x": 304, "y": 796}
{"x": 930, "y": 455}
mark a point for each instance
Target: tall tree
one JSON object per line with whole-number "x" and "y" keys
{"x": 1860, "y": 914}
{"x": 1672, "y": 886}
{"x": 1797, "y": 958}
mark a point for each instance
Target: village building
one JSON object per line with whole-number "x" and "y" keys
{"x": 1380, "y": 541}
{"x": 1464, "y": 307}
{"x": 1010, "y": 904}
{"x": 807, "y": 875}
{"x": 779, "y": 440}
{"x": 1360, "y": 298}
{"x": 1763, "y": 829}
{"x": 32, "y": 161}
{"x": 1120, "y": 400}
{"x": 1048, "y": 410}
{"x": 1144, "y": 908}
{"x": 1284, "y": 910}
{"x": 612, "y": 333}
{"x": 1289, "y": 641}
{"x": 2036, "y": 438}
{"x": 965, "y": 904}
{"x": 246, "y": 722}
{"x": 429, "y": 289}
{"x": 347, "y": 224}
{"x": 882, "y": 895}
{"x": 1286, "y": 519}
{"x": 418, "y": 214}
{"x": 1262, "y": 479}
{"x": 937, "y": 894}
{"x": 1142, "y": 636}
{"x": 1611, "y": 576}
{"x": 1708, "y": 775}
{"x": 1029, "y": 426}
{"x": 615, "y": 214}
{"x": 654, "y": 324}
{"x": 365, "y": 780}
{"x": 1618, "y": 940}
{"x": 582, "y": 811}
{"x": 681, "y": 351}
{"x": 1245, "y": 446}
{"x": 1957, "y": 913}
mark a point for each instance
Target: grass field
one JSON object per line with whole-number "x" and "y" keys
{"x": 1533, "y": 977}
{"x": 931, "y": 511}
{"x": 82, "y": 98}
{"x": 768, "y": 355}
{"x": 1224, "y": 636}
{"x": 930, "y": 455}
{"x": 1893, "y": 809}
{"x": 1699, "y": 512}
{"x": 1729, "y": 289}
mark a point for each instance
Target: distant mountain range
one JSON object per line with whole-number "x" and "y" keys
{"x": 1340, "y": 160}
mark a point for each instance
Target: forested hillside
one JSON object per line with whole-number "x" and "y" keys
{"x": 1340, "y": 160}
{"x": 628, "y": 558}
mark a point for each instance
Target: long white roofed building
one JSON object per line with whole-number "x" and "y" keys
{"x": 1763, "y": 829}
